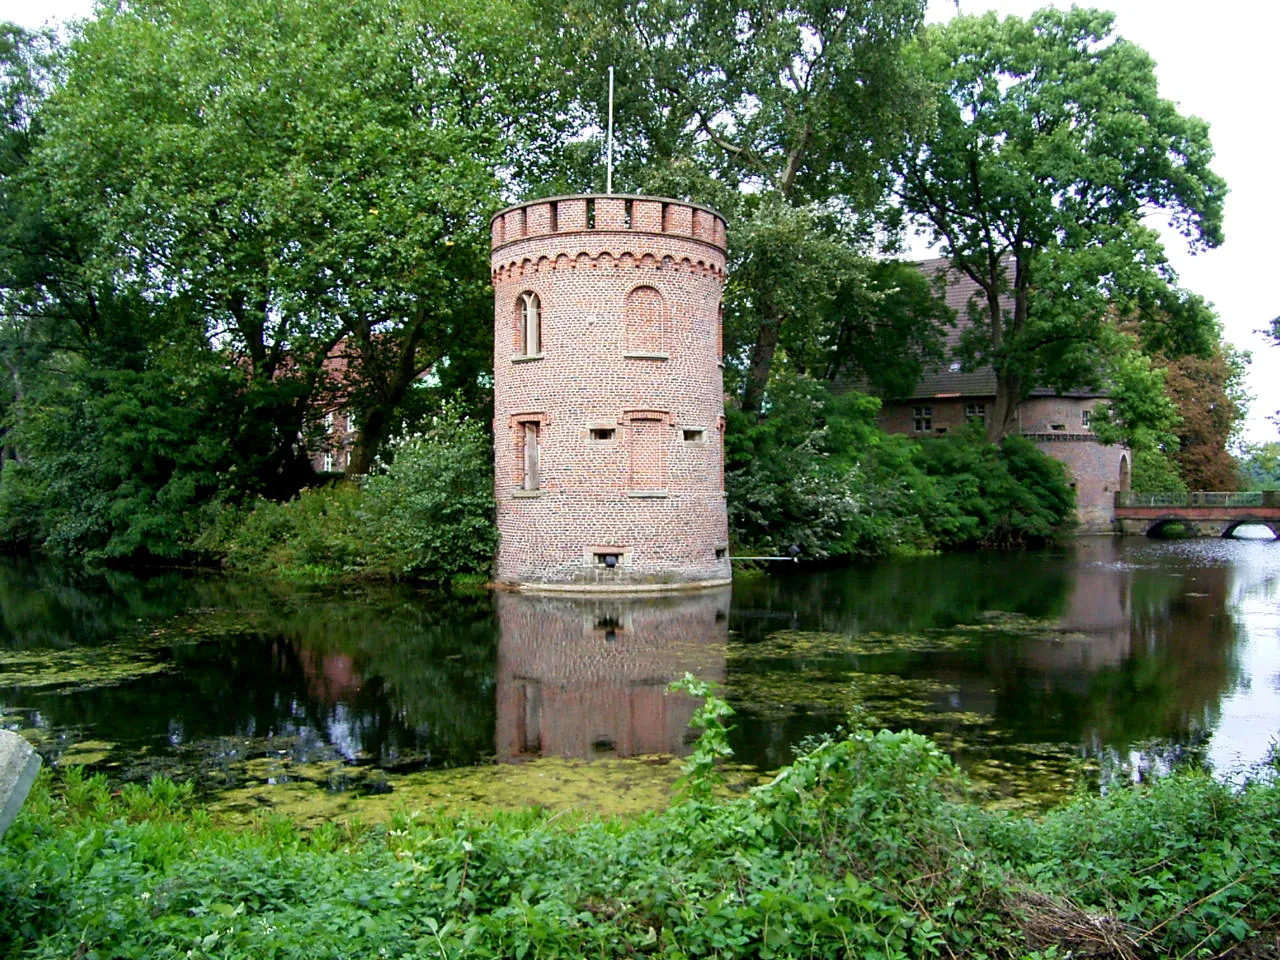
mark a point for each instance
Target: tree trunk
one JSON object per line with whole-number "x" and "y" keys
{"x": 373, "y": 430}
{"x": 1004, "y": 418}
{"x": 380, "y": 403}
{"x": 761, "y": 362}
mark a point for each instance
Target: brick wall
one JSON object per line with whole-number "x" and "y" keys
{"x": 938, "y": 415}
{"x": 1058, "y": 427}
{"x": 626, "y": 392}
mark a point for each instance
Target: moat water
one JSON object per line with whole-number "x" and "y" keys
{"x": 1040, "y": 673}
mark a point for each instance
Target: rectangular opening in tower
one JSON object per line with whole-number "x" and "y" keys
{"x": 531, "y": 478}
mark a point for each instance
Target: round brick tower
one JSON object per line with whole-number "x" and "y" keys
{"x": 608, "y": 394}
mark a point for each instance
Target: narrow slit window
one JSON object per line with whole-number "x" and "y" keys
{"x": 603, "y": 433}
{"x": 591, "y": 214}
{"x": 531, "y": 479}
{"x": 555, "y": 217}
{"x": 530, "y": 324}
{"x": 694, "y": 435}
{"x": 626, "y": 214}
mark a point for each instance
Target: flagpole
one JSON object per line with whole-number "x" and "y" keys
{"x": 608, "y": 186}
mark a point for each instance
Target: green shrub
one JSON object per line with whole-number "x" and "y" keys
{"x": 863, "y": 847}
{"x": 995, "y": 496}
{"x": 429, "y": 515}
{"x": 431, "y": 512}
{"x": 816, "y": 471}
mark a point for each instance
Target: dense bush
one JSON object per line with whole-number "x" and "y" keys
{"x": 427, "y": 515}
{"x": 817, "y": 472}
{"x": 864, "y": 847}
{"x": 995, "y": 496}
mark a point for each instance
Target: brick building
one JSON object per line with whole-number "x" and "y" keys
{"x": 947, "y": 397}
{"x": 608, "y": 394}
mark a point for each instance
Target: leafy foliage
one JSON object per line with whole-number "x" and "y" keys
{"x": 1051, "y": 143}
{"x": 989, "y": 495}
{"x": 429, "y": 515}
{"x": 864, "y": 846}
{"x": 1260, "y": 467}
{"x": 816, "y": 472}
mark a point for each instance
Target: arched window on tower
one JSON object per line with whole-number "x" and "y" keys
{"x": 645, "y": 323}
{"x": 529, "y": 324}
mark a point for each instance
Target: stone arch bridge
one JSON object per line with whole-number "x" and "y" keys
{"x": 1205, "y": 514}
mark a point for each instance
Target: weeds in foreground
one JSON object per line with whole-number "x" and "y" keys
{"x": 864, "y": 847}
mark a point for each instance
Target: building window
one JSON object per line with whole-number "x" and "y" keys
{"x": 694, "y": 435}
{"x": 530, "y": 313}
{"x": 1084, "y": 418}
{"x": 976, "y": 411}
{"x": 326, "y": 463}
{"x": 603, "y": 433}
{"x": 328, "y": 422}
{"x": 923, "y": 419}
{"x": 529, "y": 472}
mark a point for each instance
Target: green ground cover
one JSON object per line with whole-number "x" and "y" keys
{"x": 866, "y": 846}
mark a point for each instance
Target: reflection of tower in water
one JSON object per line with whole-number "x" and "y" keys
{"x": 1095, "y": 629}
{"x": 586, "y": 676}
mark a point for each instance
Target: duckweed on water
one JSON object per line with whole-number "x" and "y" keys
{"x": 312, "y": 794}
{"x": 79, "y": 668}
{"x": 792, "y": 644}
{"x": 880, "y": 699}
{"x": 128, "y": 657}
{"x": 810, "y": 644}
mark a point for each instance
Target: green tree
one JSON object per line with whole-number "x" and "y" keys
{"x": 1051, "y": 143}
{"x": 782, "y": 114}
{"x": 308, "y": 179}
{"x": 1259, "y": 467}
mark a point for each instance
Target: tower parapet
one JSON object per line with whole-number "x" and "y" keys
{"x": 608, "y": 393}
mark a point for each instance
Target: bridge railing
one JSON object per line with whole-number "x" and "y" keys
{"x": 1248, "y": 498}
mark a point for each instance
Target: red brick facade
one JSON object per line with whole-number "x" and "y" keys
{"x": 608, "y": 393}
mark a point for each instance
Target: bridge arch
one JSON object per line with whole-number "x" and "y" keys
{"x": 1230, "y": 531}
{"x": 1156, "y": 527}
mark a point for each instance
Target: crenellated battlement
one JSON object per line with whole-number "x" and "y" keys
{"x": 607, "y": 213}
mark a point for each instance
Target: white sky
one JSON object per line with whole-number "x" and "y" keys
{"x": 1216, "y": 62}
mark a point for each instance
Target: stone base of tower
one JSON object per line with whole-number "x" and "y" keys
{"x": 1096, "y": 470}
{"x": 560, "y": 542}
